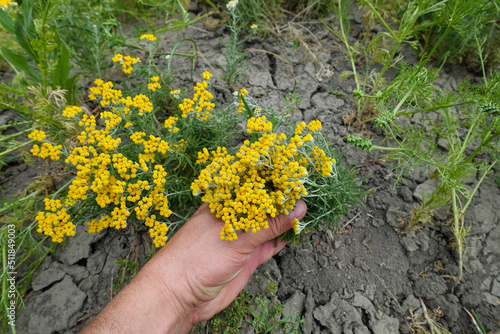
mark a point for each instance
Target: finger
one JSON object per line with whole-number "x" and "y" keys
{"x": 277, "y": 226}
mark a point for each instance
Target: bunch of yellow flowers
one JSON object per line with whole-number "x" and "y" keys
{"x": 47, "y": 149}
{"x": 264, "y": 178}
{"x": 148, "y": 37}
{"x": 121, "y": 183}
{"x": 126, "y": 62}
{"x": 154, "y": 84}
{"x": 200, "y": 104}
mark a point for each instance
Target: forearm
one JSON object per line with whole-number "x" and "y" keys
{"x": 142, "y": 307}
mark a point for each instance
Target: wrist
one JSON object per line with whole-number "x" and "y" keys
{"x": 145, "y": 305}
{"x": 171, "y": 310}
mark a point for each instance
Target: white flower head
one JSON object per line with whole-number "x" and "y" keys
{"x": 231, "y": 5}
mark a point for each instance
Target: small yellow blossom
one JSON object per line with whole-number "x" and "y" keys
{"x": 314, "y": 126}
{"x": 47, "y": 150}
{"x": 254, "y": 26}
{"x": 126, "y": 62}
{"x": 207, "y": 75}
{"x": 242, "y": 93}
{"x": 4, "y": 4}
{"x": 55, "y": 221}
{"x": 154, "y": 84}
{"x": 71, "y": 111}
{"x": 258, "y": 125}
{"x": 200, "y": 105}
{"x": 170, "y": 122}
{"x": 149, "y": 37}
{"x": 37, "y": 135}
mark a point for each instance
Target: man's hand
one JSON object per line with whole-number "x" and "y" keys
{"x": 193, "y": 277}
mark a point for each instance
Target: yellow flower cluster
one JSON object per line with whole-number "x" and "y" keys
{"x": 296, "y": 226}
{"x": 169, "y": 124}
{"x": 241, "y": 106}
{"x": 37, "y": 135}
{"x": 148, "y": 36}
{"x": 157, "y": 231}
{"x": 207, "y": 75}
{"x": 105, "y": 91}
{"x": 109, "y": 96}
{"x": 55, "y": 222}
{"x": 321, "y": 161}
{"x": 129, "y": 184}
{"x": 154, "y": 84}
{"x": 314, "y": 126}
{"x": 94, "y": 163}
{"x": 71, "y": 111}
{"x": 126, "y": 62}
{"x": 264, "y": 178}
{"x": 4, "y": 4}
{"x": 258, "y": 125}
{"x": 200, "y": 104}
{"x": 140, "y": 101}
{"x": 47, "y": 150}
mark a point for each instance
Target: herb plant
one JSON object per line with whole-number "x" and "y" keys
{"x": 468, "y": 126}
{"x": 235, "y": 59}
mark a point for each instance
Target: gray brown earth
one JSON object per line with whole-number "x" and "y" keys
{"x": 367, "y": 277}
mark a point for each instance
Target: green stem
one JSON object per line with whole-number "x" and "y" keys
{"x": 478, "y": 322}
{"x": 430, "y": 109}
{"x": 387, "y": 64}
{"x": 8, "y": 206}
{"x": 192, "y": 55}
{"x": 62, "y": 188}
{"x": 8, "y": 125}
{"x": 477, "y": 187}
{"x": 393, "y": 35}
{"x": 179, "y": 192}
{"x": 483, "y": 143}
{"x": 190, "y": 22}
{"x": 211, "y": 4}
{"x": 389, "y": 148}
{"x": 4, "y": 153}
{"x": 395, "y": 111}
{"x": 2, "y": 139}
{"x": 434, "y": 48}
{"x": 458, "y": 233}
{"x": 346, "y": 42}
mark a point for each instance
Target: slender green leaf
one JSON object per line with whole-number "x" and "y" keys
{"x": 20, "y": 63}
{"x": 71, "y": 81}
{"x": 7, "y": 22}
{"x": 61, "y": 71}
{"x": 29, "y": 23}
{"x": 23, "y": 40}
{"x": 271, "y": 328}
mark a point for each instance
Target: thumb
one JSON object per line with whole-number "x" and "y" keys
{"x": 277, "y": 225}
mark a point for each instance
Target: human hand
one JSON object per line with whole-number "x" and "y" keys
{"x": 196, "y": 275}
